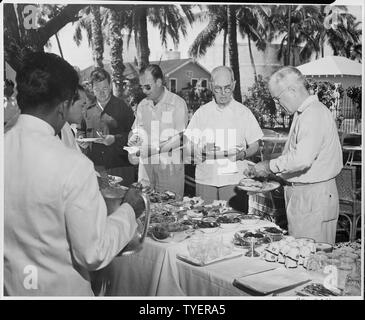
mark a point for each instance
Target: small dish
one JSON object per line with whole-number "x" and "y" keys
{"x": 325, "y": 247}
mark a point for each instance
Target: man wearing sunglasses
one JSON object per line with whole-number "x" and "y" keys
{"x": 160, "y": 118}
{"x": 310, "y": 161}
{"x": 226, "y": 133}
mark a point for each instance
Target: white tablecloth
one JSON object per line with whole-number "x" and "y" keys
{"x": 155, "y": 271}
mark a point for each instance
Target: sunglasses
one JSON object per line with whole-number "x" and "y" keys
{"x": 146, "y": 87}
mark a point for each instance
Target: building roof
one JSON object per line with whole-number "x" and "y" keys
{"x": 131, "y": 70}
{"x": 331, "y": 65}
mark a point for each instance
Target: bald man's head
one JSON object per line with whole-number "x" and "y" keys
{"x": 222, "y": 71}
{"x": 287, "y": 76}
{"x": 288, "y": 88}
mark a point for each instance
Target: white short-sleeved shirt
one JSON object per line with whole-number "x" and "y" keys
{"x": 233, "y": 125}
{"x": 162, "y": 121}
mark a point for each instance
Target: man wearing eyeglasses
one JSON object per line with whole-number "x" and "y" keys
{"x": 109, "y": 120}
{"x": 224, "y": 132}
{"x": 310, "y": 161}
{"x": 161, "y": 118}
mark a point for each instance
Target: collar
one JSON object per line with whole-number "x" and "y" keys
{"x": 35, "y": 124}
{"x": 163, "y": 97}
{"x": 306, "y": 103}
{"x": 100, "y": 106}
{"x": 227, "y": 107}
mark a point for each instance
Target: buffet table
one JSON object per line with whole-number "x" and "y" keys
{"x": 156, "y": 271}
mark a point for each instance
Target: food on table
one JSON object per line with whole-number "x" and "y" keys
{"x": 114, "y": 180}
{"x": 192, "y": 202}
{"x": 316, "y": 289}
{"x": 272, "y": 252}
{"x": 275, "y": 234}
{"x": 160, "y": 218}
{"x": 251, "y": 183}
{"x": 207, "y": 223}
{"x": 160, "y": 232}
{"x": 292, "y": 258}
{"x": 272, "y": 230}
{"x": 322, "y": 246}
{"x": 229, "y": 218}
{"x": 244, "y": 238}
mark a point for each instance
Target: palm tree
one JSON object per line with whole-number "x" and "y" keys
{"x": 97, "y": 36}
{"x": 254, "y": 22}
{"x": 233, "y": 50}
{"x": 171, "y": 20}
{"x": 224, "y": 19}
{"x": 116, "y": 52}
{"x": 309, "y": 32}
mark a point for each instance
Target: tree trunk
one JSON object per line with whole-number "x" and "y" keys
{"x": 143, "y": 59}
{"x": 251, "y": 57}
{"x": 116, "y": 53}
{"x": 225, "y": 31}
{"x": 233, "y": 51}
{"x": 224, "y": 46}
{"x": 97, "y": 37}
{"x": 289, "y": 36}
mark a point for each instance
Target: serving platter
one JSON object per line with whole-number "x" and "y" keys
{"x": 265, "y": 186}
{"x": 196, "y": 262}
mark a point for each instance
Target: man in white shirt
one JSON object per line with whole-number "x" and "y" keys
{"x": 311, "y": 159}
{"x": 160, "y": 117}
{"x": 56, "y": 227}
{"x": 227, "y": 132}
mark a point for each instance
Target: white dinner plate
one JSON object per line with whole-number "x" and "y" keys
{"x": 88, "y": 139}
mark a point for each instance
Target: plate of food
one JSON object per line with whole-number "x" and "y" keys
{"x": 166, "y": 232}
{"x": 230, "y": 218}
{"x": 274, "y": 233}
{"x": 114, "y": 180}
{"x": 253, "y": 185}
{"x": 208, "y": 224}
{"x": 244, "y": 238}
{"x": 88, "y": 139}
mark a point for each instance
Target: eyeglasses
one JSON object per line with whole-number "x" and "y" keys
{"x": 226, "y": 89}
{"x": 98, "y": 90}
{"x": 277, "y": 99}
{"x": 146, "y": 87}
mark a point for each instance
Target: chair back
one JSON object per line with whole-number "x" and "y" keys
{"x": 346, "y": 183}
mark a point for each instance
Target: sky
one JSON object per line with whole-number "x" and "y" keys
{"x": 82, "y": 56}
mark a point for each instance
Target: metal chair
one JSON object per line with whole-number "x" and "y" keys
{"x": 350, "y": 207}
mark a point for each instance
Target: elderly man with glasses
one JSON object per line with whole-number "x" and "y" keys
{"x": 310, "y": 161}
{"x": 224, "y": 132}
{"x": 160, "y": 120}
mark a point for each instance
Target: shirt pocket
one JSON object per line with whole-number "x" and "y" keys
{"x": 166, "y": 117}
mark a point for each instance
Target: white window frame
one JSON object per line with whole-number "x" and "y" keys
{"x": 175, "y": 84}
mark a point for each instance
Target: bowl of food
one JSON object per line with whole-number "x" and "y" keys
{"x": 244, "y": 238}
{"x": 208, "y": 224}
{"x": 323, "y": 246}
{"x": 274, "y": 233}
